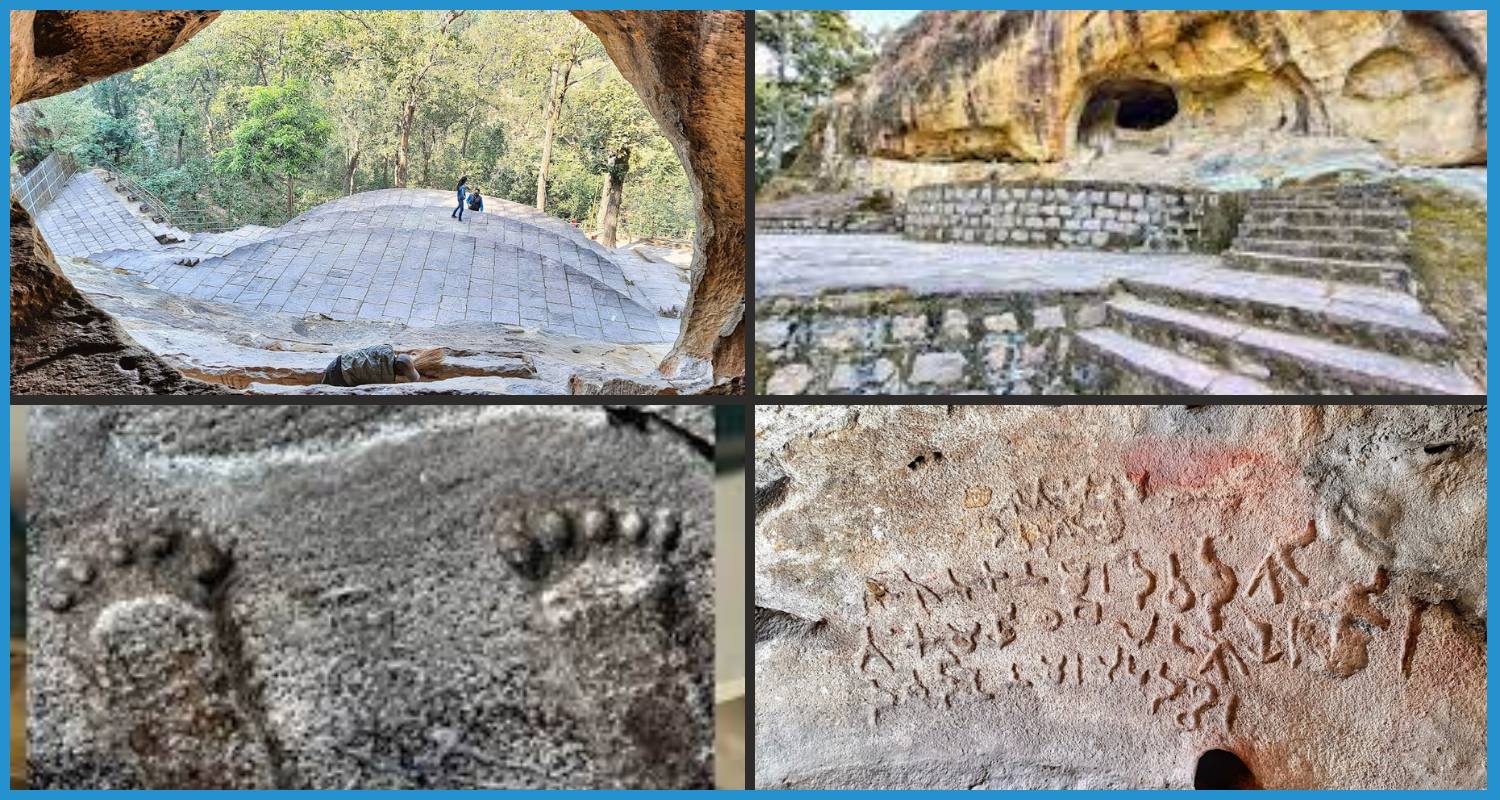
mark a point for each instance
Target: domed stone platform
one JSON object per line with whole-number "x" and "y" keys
{"x": 394, "y": 255}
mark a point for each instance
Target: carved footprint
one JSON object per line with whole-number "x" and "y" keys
{"x": 147, "y": 641}
{"x": 605, "y": 589}
{"x": 588, "y": 559}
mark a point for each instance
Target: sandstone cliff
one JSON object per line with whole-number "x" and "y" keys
{"x": 1050, "y": 87}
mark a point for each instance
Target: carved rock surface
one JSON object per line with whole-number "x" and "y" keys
{"x": 371, "y": 597}
{"x": 1103, "y": 597}
{"x": 1043, "y": 86}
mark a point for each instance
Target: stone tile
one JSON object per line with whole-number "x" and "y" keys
{"x": 939, "y": 369}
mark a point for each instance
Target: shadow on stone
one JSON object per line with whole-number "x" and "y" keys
{"x": 1221, "y": 769}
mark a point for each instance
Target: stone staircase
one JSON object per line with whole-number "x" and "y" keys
{"x": 1314, "y": 297}
{"x": 1355, "y": 234}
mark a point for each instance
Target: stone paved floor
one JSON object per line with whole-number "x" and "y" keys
{"x": 805, "y": 264}
{"x": 393, "y": 255}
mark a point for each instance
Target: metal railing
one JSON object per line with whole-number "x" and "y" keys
{"x": 39, "y": 187}
{"x": 135, "y": 193}
{"x": 189, "y": 220}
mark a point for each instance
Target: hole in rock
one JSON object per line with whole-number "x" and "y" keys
{"x": 1135, "y": 105}
{"x": 920, "y": 461}
{"x": 1221, "y": 769}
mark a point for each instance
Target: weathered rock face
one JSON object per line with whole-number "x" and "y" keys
{"x": 688, "y": 66}
{"x": 52, "y": 52}
{"x": 1120, "y": 597}
{"x": 61, "y": 343}
{"x": 689, "y": 69}
{"x": 1049, "y": 86}
{"x": 371, "y": 597}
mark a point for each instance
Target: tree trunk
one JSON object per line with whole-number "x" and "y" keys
{"x": 778, "y": 124}
{"x": 290, "y": 204}
{"x": 426, "y": 161}
{"x": 181, "y": 133}
{"x": 608, "y": 222}
{"x": 541, "y": 173}
{"x": 208, "y": 120}
{"x": 411, "y": 112}
{"x": 349, "y": 171}
{"x": 558, "y": 90}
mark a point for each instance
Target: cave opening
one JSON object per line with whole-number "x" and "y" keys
{"x": 1137, "y": 105}
{"x": 1221, "y": 769}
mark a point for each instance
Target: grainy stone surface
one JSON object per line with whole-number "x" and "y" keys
{"x": 1097, "y": 597}
{"x": 371, "y": 597}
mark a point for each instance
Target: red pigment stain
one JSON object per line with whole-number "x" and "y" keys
{"x": 1188, "y": 464}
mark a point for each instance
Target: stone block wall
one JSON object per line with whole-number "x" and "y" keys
{"x": 867, "y": 222}
{"x": 1074, "y": 214}
{"x": 858, "y": 343}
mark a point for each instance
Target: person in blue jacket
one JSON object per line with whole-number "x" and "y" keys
{"x": 476, "y": 202}
{"x": 462, "y": 190}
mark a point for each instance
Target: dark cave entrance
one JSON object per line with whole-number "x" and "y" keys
{"x": 1221, "y": 769}
{"x": 1137, "y": 105}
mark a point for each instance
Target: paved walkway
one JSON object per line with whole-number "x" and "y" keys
{"x": 806, "y": 264}
{"x": 393, "y": 255}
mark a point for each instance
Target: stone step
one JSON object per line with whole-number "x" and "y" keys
{"x": 1296, "y": 363}
{"x": 1388, "y": 274}
{"x": 1352, "y": 234}
{"x": 1327, "y": 216}
{"x": 1178, "y": 373}
{"x": 1369, "y": 317}
{"x": 1358, "y": 204}
{"x": 1352, "y": 195}
{"x": 1312, "y": 248}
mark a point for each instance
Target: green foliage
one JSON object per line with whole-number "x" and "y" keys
{"x": 218, "y": 124}
{"x": 811, "y": 54}
{"x": 659, "y": 213}
{"x": 283, "y": 134}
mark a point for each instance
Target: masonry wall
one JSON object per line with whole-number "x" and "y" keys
{"x": 879, "y": 344}
{"x": 1083, "y": 215}
{"x": 830, "y": 223}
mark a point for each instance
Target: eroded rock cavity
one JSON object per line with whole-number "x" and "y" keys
{"x": 1120, "y": 597}
{"x": 1013, "y": 86}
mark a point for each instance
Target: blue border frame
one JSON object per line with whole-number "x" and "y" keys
{"x": 657, "y": 5}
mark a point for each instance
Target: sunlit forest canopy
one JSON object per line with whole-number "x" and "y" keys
{"x": 268, "y": 113}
